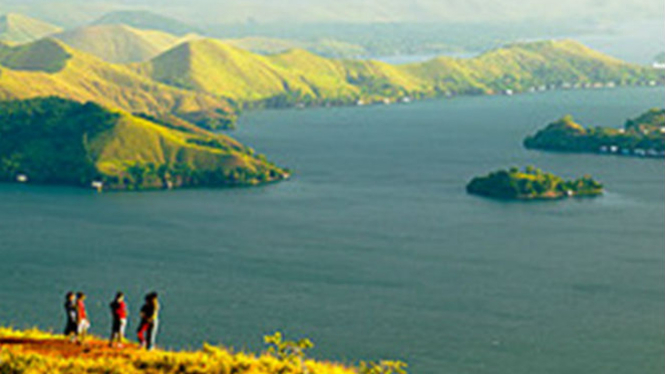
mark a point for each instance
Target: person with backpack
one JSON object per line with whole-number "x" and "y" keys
{"x": 71, "y": 327}
{"x": 147, "y": 331}
{"x": 119, "y": 319}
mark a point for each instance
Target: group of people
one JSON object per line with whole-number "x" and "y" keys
{"x": 78, "y": 322}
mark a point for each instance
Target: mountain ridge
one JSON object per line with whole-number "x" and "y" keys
{"x": 300, "y": 76}
{"x": 18, "y": 28}
{"x": 83, "y": 78}
{"x": 119, "y": 43}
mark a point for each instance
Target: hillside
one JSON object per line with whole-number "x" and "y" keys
{"x": 48, "y": 67}
{"x": 147, "y": 21}
{"x": 527, "y": 66}
{"x": 17, "y": 28}
{"x": 643, "y": 136}
{"x": 120, "y": 43}
{"x": 203, "y": 80}
{"x": 39, "y": 352}
{"x": 298, "y": 76}
{"x": 57, "y": 141}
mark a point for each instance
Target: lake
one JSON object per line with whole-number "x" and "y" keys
{"x": 374, "y": 250}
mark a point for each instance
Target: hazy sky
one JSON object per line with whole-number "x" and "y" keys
{"x": 216, "y": 11}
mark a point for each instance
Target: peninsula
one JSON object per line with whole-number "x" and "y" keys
{"x": 643, "y": 136}
{"x": 58, "y": 141}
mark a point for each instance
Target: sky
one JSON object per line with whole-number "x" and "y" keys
{"x": 362, "y": 11}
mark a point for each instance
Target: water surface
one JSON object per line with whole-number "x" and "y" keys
{"x": 374, "y": 250}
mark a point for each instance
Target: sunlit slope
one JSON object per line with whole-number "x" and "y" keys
{"x": 215, "y": 67}
{"x": 50, "y": 68}
{"x": 18, "y": 28}
{"x": 120, "y": 43}
{"x": 521, "y": 66}
{"x": 53, "y": 140}
{"x": 218, "y": 68}
{"x": 297, "y": 75}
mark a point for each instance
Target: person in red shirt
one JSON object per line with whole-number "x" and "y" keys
{"x": 119, "y": 317}
{"x": 82, "y": 321}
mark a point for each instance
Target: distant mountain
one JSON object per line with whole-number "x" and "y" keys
{"x": 57, "y": 141}
{"x": 297, "y": 76}
{"x": 17, "y": 28}
{"x": 147, "y": 21}
{"x": 323, "y": 47}
{"x": 49, "y": 67}
{"x": 120, "y": 43}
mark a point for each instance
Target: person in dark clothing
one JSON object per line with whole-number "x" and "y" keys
{"x": 71, "y": 327}
{"x": 119, "y": 318}
{"x": 147, "y": 331}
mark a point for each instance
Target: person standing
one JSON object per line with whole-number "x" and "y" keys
{"x": 147, "y": 331}
{"x": 71, "y": 327}
{"x": 119, "y": 317}
{"x": 82, "y": 321}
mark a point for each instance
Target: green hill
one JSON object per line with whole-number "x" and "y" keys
{"x": 298, "y": 76}
{"x": 212, "y": 66}
{"x": 48, "y": 67}
{"x": 18, "y": 28}
{"x": 57, "y": 141}
{"x": 147, "y": 21}
{"x": 523, "y": 66}
{"x": 120, "y": 43}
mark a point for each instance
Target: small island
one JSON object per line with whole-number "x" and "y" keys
{"x": 643, "y": 136}
{"x": 532, "y": 184}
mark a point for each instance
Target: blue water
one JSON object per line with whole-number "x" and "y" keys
{"x": 374, "y": 250}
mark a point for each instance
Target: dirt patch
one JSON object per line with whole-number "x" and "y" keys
{"x": 93, "y": 348}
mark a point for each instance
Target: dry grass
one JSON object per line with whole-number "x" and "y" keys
{"x": 38, "y": 352}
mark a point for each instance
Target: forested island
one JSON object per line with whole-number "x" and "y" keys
{"x": 532, "y": 184}
{"x": 643, "y": 136}
{"x": 59, "y": 141}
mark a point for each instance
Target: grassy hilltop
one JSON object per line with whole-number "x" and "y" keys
{"x": 57, "y": 141}
{"x": 39, "y": 352}
{"x": 49, "y": 67}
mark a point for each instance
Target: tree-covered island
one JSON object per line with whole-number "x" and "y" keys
{"x": 532, "y": 184}
{"x": 643, "y": 136}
